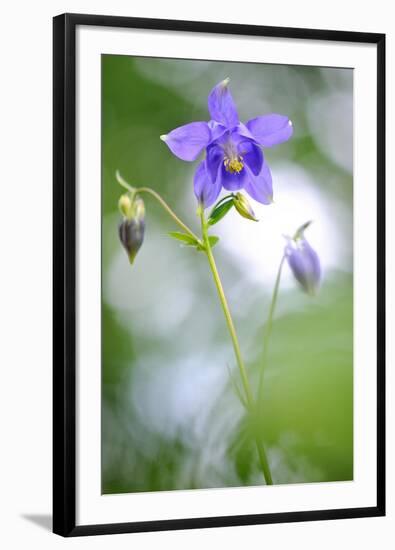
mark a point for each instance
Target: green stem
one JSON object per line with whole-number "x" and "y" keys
{"x": 225, "y": 307}
{"x": 236, "y": 346}
{"x": 168, "y": 210}
{"x": 268, "y": 331}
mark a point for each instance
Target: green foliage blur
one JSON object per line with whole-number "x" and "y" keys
{"x": 170, "y": 415}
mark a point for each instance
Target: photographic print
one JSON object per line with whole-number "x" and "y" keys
{"x": 227, "y": 274}
{"x": 219, "y": 275}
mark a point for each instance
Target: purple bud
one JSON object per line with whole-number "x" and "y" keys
{"x": 131, "y": 229}
{"x": 303, "y": 261}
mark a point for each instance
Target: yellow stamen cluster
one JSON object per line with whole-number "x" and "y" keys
{"x": 234, "y": 165}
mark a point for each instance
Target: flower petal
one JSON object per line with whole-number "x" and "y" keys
{"x": 221, "y": 105}
{"x": 187, "y": 142}
{"x": 244, "y": 132}
{"x": 314, "y": 267}
{"x": 269, "y": 130}
{"x": 232, "y": 182}
{"x": 260, "y": 187}
{"x": 252, "y": 155}
{"x": 217, "y": 130}
{"x": 206, "y": 191}
{"x": 215, "y": 155}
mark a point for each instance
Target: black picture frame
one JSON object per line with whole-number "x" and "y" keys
{"x": 64, "y": 273}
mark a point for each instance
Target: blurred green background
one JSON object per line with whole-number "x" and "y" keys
{"x": 170, "y": 417}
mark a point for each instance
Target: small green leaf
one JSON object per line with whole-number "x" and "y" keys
{"x": 213, "y": 240}
{"x": 184, "y": 238}
{"x": 219, "y": 211}
{"x": 188, "y": 240}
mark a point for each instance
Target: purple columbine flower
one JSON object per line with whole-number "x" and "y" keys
{"x": 303, "y": 261}
{"x": 234, "y": 158}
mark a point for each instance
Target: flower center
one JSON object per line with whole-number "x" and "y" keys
{"x": 234, "y": 165}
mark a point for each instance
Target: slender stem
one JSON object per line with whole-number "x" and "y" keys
{"x": 168, "y": 210}
{"x": 236, "y": 346}
{"x": 263, "y": 460}
{"x": 249, "y": 402}
{"x": 225, "y": 307}
{"x": 162, "y": 202}
{"x": 268, "y": 331}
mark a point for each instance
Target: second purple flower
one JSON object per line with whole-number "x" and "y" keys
{"x": 234, "y": 158}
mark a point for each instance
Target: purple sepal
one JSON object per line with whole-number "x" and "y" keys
{"x": 188, "y": 141}
{"x": 269, "y": 130}
{"x": 221, "y": 106}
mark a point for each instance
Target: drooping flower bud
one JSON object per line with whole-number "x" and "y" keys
{"x": 132, "y": 227}
{"x": 243, "y": 207}
{"x": 303, "y": 261}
